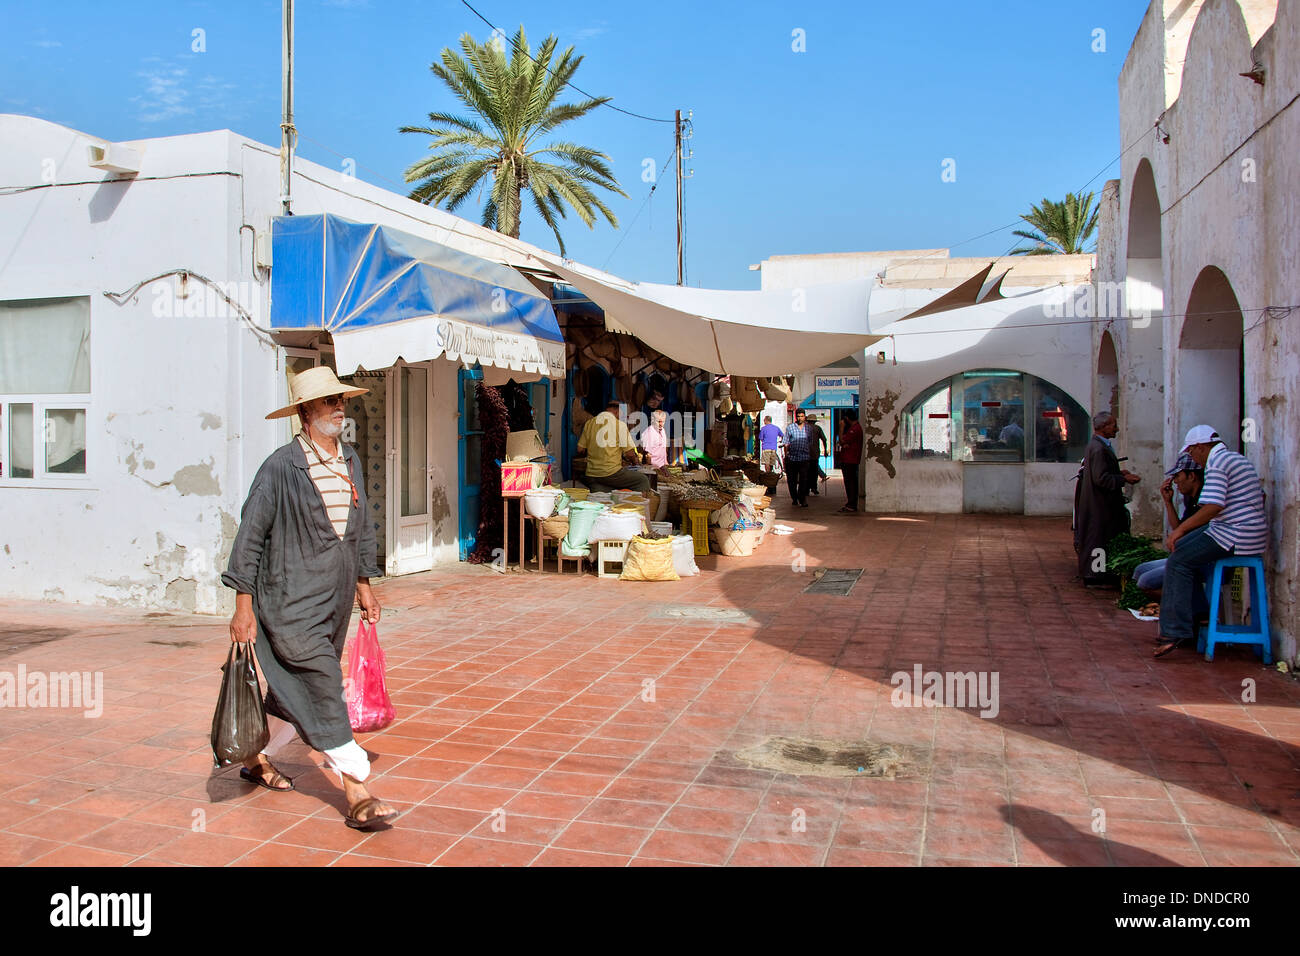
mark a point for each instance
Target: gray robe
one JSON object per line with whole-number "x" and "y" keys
{"x": 303, "y": 580}
{"x": 1100, "y": 511}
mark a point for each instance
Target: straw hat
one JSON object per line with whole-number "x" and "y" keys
{"x": 312, "y": 384}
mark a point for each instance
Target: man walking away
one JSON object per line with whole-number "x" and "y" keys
{"x": 1100, "y": 511}
{"x": 848, "y": 457}
{"x": 769, "y": 438}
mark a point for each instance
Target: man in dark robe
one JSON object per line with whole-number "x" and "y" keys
{"x": 1100, "y": 511}
{"x": 304, "y": 553}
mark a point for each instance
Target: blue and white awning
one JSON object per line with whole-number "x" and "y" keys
{"x": 386, "y": 295}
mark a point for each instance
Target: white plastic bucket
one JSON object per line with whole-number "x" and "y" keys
{"x": 541, "y": 503}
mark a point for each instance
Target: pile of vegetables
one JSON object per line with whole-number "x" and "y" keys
{"x": 1124, "y": 553}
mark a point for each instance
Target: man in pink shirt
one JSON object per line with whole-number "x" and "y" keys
{"x": 654, "y": 441}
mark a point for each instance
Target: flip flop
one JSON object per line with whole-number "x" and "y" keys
{"x": 260, "y": 779}
{"x": 357, "y": 824}
{"x": 1169, "y": 646}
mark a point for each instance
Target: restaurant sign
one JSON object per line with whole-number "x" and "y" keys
{"x": 837, "y": 391}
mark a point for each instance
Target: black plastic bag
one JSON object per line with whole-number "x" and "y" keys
{"x": 239, "y": 724}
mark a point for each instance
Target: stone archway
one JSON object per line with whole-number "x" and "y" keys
{"x": 1210, "y": 373}
{"x": 1107, "y": 396}
{"x": 1144, "y": 294}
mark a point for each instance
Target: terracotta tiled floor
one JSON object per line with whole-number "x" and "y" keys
{"x": 526, "y": 736}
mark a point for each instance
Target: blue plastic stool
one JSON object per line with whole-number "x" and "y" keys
{"x": 1254, "y": 633}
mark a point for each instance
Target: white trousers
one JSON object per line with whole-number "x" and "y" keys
{"x": 351, "y": 758}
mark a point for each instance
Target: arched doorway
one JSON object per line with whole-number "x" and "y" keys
{"x": 1144, "y": 294}
{"x": 1107, "y": 397}
{"x": 1210, "y": 370}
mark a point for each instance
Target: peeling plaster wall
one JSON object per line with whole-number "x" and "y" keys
{"x": 1229, "y": 185}
{"x": 150, "y": 524}
{"x": 180, "y": 387}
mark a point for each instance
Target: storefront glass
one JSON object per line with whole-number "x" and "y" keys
{"x": 994, "y": 415}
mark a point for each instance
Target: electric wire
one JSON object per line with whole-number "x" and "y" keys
{"x": 652, "y": 119}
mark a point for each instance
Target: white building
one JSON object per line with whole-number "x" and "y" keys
{"x": 136, "y": 367}
{"x": 976, "y": 399}
{"x": 1203, "y": 231}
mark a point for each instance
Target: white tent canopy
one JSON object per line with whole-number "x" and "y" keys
{"x": 749, "y": 333}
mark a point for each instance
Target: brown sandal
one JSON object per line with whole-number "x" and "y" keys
{"x": 1170, "y": 645}
{"x": 261, "y": 779}
{"x": 353, "y": 819}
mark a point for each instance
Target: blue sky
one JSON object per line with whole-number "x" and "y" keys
{"x": 837, "y": 148}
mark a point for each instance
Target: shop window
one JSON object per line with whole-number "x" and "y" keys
{"x": 926, "y": 430}
{"x": 994, "y": 415}
{"x": 44, "y": 388}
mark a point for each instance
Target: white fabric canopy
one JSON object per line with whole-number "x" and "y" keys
{"x": 749, "y": 333}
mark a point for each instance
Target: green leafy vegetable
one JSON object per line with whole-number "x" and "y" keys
{"x": 1124, "y": 552}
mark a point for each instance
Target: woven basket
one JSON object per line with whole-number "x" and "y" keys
{"x": 701, "y": 504}
{"x": 556, "y": 526}
{"x": 736, "y": 544}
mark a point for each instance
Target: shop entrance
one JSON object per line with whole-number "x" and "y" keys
{"x": 410, "y": 524}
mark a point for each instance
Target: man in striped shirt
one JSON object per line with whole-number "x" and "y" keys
{"x": 1230, "y": 520}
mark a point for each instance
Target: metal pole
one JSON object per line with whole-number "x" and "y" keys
{"x": 288, "y": 134}
{"x": 679, "y": 196}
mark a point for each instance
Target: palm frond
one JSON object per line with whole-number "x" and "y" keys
{"x": 511, "y": 98}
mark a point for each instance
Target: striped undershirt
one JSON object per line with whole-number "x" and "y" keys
{"x": 329, "y": 481}
{"x": 1232, "y": 482}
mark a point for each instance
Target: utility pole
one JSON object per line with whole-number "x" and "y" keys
{"x": 679, "y": 194}
{"x": 288, "y": 134}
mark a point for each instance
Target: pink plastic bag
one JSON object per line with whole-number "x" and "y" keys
{"x": 369, "y": 707}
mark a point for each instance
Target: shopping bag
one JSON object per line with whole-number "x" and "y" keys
{"x": 369, "y": 707}
{"x": 239, "y": 723}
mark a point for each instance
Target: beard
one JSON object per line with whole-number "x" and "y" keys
{"x": 325, "y": 425}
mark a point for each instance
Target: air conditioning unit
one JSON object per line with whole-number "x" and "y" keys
{"x": 114, "y": 157}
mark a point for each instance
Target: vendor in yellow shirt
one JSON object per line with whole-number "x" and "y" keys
{"x": 608, "y": 444}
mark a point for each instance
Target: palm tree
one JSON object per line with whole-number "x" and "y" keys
{"x": 514, "y": 104}
{"x": 1061, "y": 226}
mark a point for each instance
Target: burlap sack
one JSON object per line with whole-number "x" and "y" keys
{"x": 648, "y": 560}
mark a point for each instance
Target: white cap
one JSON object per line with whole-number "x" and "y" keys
{"x": 1199, "y": 435}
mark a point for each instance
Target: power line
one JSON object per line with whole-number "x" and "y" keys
{"x": 629, "y": 226}
{"x": 495, "y": 29}
{"x": 1274, "y": 312}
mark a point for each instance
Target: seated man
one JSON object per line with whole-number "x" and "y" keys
{"x": 1230, "y": 520}
{"x": 608, "y": 445}
{"x": 1188, "y": 477}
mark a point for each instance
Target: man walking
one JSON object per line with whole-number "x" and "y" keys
{"x": 1100, "y": 511}
{"x": 304, "y": 554}
{"x": 769, "y": 438}
{"x": 798, "y": 461}
{"x": 848, "y": 454}
{"x": 1229, "y": 519}
{"x": 820, "y": 446}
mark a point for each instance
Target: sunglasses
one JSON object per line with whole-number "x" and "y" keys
{"x": 333, "y": 400}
